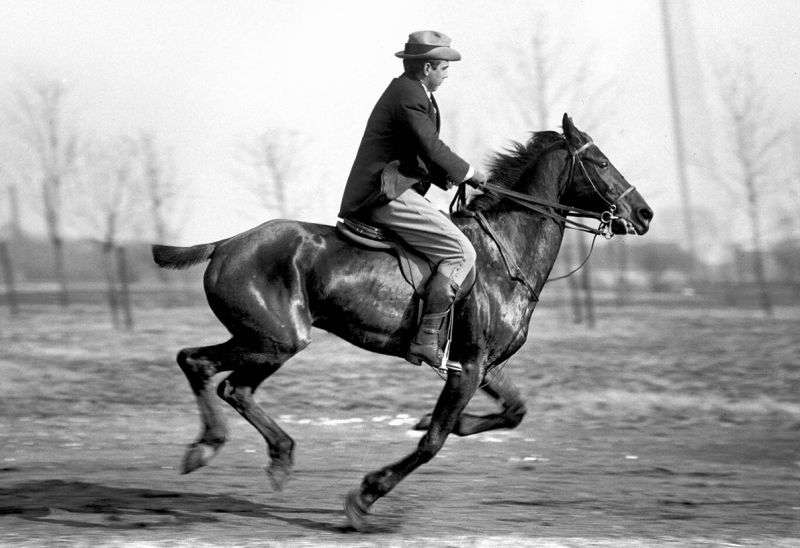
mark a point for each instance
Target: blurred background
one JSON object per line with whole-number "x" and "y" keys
{"x": 661, "y": 379}
{"x": 125, "y": 124}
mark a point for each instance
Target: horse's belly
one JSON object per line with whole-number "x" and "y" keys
{"x": 369, "y": 316}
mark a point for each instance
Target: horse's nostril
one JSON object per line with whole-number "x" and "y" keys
{"x": 646, "y": 214}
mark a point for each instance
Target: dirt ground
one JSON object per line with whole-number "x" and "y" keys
{"x": 665, "y": 425}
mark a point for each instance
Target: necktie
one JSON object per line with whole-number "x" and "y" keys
{"x": 435, "y": 111}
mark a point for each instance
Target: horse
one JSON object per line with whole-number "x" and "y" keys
{"x": 271, "y": 284}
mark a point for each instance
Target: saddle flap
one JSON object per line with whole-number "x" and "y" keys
{"x": 414, "y": 268}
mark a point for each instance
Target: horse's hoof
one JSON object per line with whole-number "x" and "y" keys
{"x": 278, "y": 475}
{"x": 197, "y": 456}
{"x": 356, "y": 511}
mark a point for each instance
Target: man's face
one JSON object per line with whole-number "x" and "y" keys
{"x": 437, "y": 75}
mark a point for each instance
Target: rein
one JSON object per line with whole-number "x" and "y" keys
{"x": 540, "y": 205}
{"x": 549, "y": 209}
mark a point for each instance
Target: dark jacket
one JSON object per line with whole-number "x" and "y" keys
{"x": 404, "y": 126}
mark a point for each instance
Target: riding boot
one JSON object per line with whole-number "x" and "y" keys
{"x": 440, "y": 293}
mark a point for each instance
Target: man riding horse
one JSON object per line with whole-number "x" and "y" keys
{"x": 399, "y": 157}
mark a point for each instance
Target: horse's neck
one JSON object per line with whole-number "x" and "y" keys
{"x": 531, "y": 243}
{"x": 535, "y": 238}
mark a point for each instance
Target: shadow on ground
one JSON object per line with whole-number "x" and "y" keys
{"x": 96, "y": 506}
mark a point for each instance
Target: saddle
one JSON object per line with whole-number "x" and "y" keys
{"x": 415, "y": 268}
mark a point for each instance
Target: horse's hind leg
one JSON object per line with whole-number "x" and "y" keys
{"x": 200, "y": 365}
{"x": 237, "y": 389}
{"x": 512, "y": 408}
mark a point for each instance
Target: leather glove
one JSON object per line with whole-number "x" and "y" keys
{"x": 477, "y": 180}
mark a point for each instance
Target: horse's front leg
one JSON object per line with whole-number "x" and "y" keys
{"x": 497, "y": 385}
{"x": 457, "y": 391}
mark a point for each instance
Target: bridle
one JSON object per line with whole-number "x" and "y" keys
{"x": 547, "y": 208}
{"x": 551, "y": 209}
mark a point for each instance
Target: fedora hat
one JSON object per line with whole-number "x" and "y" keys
{"x": 428, "y": 44}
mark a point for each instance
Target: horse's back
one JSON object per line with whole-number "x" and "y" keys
{"x": 266, "y": 247}
{"x": 286, "y": 271}
{"x": 288, "y": 252}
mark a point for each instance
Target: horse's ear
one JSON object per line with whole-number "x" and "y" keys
{"x": 569, "y": 129}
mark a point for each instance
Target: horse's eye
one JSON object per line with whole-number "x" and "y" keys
{"x": 602, "y": 165}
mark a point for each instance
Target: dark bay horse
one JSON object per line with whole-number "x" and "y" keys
{"x": 271, "y": 284}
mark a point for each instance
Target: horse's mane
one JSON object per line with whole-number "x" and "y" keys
{"x": 507, "y": 167}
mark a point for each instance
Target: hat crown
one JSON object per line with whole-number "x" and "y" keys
{"x": 428, "y": 44}
{"x": 429, "y": 38}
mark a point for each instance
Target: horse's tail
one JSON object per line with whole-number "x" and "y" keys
{"x": 169, "y": 256}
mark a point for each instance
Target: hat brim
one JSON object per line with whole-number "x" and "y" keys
{"x": 441, "y": 53}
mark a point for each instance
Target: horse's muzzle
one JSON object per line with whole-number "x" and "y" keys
{"x": 638, "y": 223}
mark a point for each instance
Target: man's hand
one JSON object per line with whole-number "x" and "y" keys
{"x": 477, "y": 179}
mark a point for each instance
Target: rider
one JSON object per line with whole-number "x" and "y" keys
{"x": 400, "y": 155}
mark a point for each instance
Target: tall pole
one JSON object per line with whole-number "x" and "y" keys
{"x": 680, "y": 143}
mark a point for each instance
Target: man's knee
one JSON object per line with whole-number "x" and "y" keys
{"x": 459, "y": 268}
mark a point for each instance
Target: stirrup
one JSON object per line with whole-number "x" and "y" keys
{"x": 445, "y": 364}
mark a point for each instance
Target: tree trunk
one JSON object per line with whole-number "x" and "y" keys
{"x": 15, "y": 223}
{"x": 61, "y": 271}
{"x": 161, "y": 237}
{"x": 52, "y": 204}
{"x": 111, "y": 283}
{"x": 586, "y": 281}
{"x": 280, "y": 194}
{"x": 622, "y": 286}
{"x": 8, "y": 276}
{"x": 758, "y": 255}
{"x": 573, "y": 288}
{"x": 124, "y": 288}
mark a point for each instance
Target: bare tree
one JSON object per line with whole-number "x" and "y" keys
{"x": 158, "y": 181}
{"x": 39, "y": 120}
{"x": 159, "y": 184}
{"x": 9, "y": 231}
{"x": 273, "y": 155}
{"x": 567, "y": 257}
{"x": 112, "y": 208}
{"x": 542, "y": 74}
{"x": 790, "y": 221}
{"x": 622, "y": 283}
{"x": 756, "y": 136}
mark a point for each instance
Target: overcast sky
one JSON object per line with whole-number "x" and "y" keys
{"x": 203, "y": 75}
